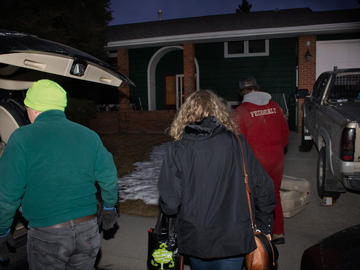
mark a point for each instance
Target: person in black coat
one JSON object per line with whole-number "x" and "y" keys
{"x": 202, "y": 183}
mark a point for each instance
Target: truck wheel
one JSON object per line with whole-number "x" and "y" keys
{"x": 305, "y": 145}
{"x": 322, "y": 175}
{"x": 12, "y": 115}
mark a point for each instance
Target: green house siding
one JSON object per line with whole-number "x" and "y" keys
{"x": 139, "y": 59}
{"x": 275, "y": 73}
{"x": 138, "y": 64}
{"x": 170, "y": 64}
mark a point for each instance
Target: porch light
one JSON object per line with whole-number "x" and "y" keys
{"x": 307, "y": 54}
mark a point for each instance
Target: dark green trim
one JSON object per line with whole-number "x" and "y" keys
{"x": 338, "y": 36}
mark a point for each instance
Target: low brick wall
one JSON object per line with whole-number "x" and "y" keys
{"x": 151, "y": 122}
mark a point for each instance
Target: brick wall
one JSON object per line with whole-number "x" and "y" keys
{"x": 189, "y": 69}
{"x": 307, "y": 68}
{"x": 124, "y": 89}
{"x": 150, "y": 122}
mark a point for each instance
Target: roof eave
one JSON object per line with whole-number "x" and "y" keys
{"x": 238, "y": 34}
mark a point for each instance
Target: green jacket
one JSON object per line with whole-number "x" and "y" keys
{"x": 50, "y": 167}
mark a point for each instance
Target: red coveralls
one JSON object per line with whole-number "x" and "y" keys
{"x": 266, "y": 129}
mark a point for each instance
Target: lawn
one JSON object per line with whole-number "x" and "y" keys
{"x": 128, "y": 149}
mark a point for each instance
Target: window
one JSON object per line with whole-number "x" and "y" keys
{"x": 246, "y": 48}
{"x": 320, "y": 86}
{"x": 346, "y": 86}
{"x": 236, "y": 47}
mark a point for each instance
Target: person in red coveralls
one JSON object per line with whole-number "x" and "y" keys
{"x": 263, "y": 123}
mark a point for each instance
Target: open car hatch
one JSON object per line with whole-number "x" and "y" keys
{"x": 30, "y": 52}
{"x": 19, "y": 51}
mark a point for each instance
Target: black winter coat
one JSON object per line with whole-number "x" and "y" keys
{"x": 202, "y": 182}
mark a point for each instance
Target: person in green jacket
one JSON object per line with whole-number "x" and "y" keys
{"x": 50, "y": 168}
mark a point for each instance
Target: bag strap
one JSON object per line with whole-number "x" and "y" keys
{"x": 171, "y": 226}
{"x": 165, "y": 222}
{"x": 159, "y": 222}
{"x": 253, "y": 226}
{"x": 249, "y": 201}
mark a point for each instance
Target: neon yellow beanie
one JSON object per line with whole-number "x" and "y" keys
{"x": 46, "y": 95}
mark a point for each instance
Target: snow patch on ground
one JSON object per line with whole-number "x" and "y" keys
{"x": 142, "y": 182}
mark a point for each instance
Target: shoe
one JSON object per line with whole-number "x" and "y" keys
{"x": 278, "y": 239}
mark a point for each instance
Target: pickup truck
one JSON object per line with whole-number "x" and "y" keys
{"x": 330, "y": 121}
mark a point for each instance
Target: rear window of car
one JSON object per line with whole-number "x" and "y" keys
{"x": 346, "y": 86}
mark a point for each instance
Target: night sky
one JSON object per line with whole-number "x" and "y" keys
{"x": 133, "y": 11}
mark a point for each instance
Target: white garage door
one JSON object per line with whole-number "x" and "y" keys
{"x": 340, "y": 53}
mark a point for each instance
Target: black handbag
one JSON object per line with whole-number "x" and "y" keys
{"x": 265, "y": 256}
{"x": 162, "y": 246}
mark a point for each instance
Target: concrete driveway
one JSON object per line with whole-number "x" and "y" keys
{"x": 128, "y": 250}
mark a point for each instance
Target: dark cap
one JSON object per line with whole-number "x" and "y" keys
{"x": 248, "y": 83}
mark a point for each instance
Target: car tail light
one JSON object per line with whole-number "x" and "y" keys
{"x": 348, "y": 144}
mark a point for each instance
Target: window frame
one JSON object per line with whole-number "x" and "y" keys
{"x": 319, "y": 87}
{"x": 246, "y": 50}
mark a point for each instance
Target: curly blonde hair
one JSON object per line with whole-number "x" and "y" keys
{"x": 197, "y": 106}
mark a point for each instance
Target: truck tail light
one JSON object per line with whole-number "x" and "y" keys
{"x": 348, "y": 144}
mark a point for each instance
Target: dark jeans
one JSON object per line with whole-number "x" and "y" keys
{"x": 233, "y": 263}
{"x": 70, "y": 248}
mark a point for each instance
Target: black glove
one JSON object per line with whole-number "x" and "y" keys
{"x": 108, "y": 218}
{"x": 4, "y": 251}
